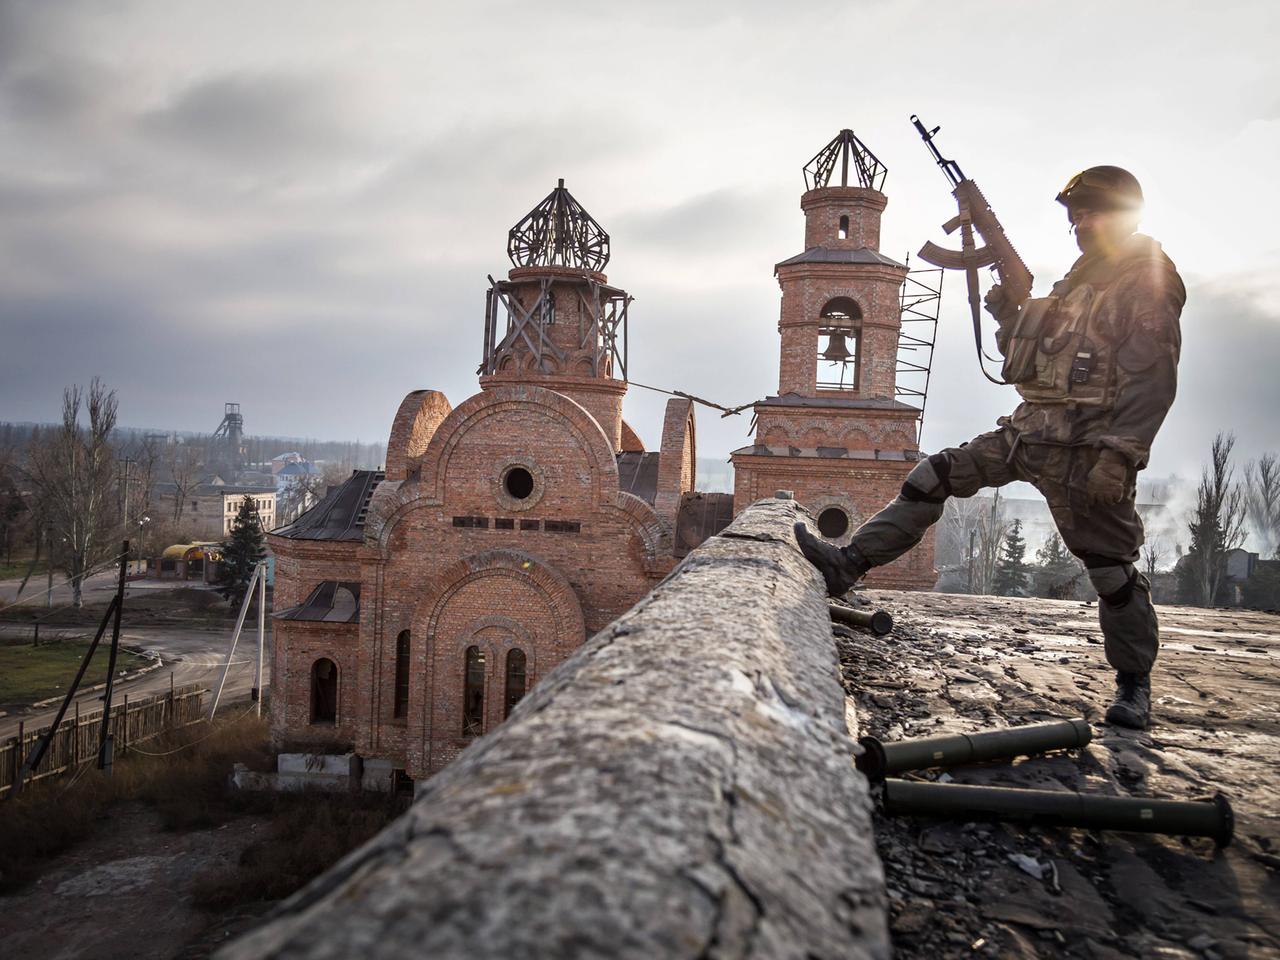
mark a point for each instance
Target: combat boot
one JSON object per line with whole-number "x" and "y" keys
{"x": 1132, "y": 704}
{"x": 840, "y": 567}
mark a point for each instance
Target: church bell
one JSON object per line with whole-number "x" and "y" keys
{"x": 836, "y": 350}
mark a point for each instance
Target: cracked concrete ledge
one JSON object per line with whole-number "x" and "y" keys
{"x": 682, "y": 786}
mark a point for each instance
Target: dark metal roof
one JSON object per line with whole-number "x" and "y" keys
{"x": 830, "y": 255}
{"x": 638, "y": 474}
{"x": 844, "y": 403}
{"x": 845, "y": 147}
{"x": 340, "y": 515}
{"x": 559, "y": 232}
{"x": 701, "y": 516}
{"x": 169, "y": 488}
{"x": 332, "y": 601}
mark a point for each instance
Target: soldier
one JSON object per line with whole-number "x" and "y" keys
{"x": 1096, "y": 365}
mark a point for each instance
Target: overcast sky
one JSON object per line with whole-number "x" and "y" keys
{"x": 294, "y": 205}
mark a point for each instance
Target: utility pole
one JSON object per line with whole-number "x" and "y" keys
{"x": 259, "y": 574}
{"x": 262, "y": 620}
{"x": 105, "y": 740}
{"x": 972, "y": 536}
{"x": 48, "y": 542}
{"x": 124, "y": 488}
{"x": 33, "y": 759}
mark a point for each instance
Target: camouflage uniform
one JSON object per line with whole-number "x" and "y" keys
{"x": 1096, "y": 364}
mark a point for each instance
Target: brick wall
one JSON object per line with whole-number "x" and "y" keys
{"x": 860, "y": 488}
{"x": 824, "y": 207}
{"x": 457, "y": 560}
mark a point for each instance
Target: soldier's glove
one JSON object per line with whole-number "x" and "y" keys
{"x": 999, "y": 306}
{"x": 1108, "y": 481}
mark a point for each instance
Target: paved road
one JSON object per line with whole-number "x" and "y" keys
{"x": 96, "y": 589}
{"x": 190, "y": 655}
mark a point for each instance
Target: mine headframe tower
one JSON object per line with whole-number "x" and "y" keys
{"x": 226, "y": 446}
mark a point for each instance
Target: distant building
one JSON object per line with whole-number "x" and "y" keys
{"x": 297, "y": 488}
{"x": 188, "y": 561}
{"x": 278, "y": 463}
{"x": 210, "y": 507}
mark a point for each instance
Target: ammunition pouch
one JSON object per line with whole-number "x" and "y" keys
{"x": 1022, "y": 342}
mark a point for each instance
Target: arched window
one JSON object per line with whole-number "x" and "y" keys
{"x": 843, "y": 232}
{"x": 324, "y": 691}
{"x": 516, "y": 679}
{"x": 840, "y": 323}
{"x": 473, "y": 693}
{"x": 401, "y": 707}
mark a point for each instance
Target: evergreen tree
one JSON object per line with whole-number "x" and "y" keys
{"x": 1057, "y": 572}
{"x": 1011, "y": 569}
{"x": 241, "y": 553}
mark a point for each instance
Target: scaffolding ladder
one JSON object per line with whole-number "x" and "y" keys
{"x": 921, "y": 302}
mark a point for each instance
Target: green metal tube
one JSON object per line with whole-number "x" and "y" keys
{"x": 952, "y": 801}
{"x": 883, "y": 759}
{"x": 878, "y": 622}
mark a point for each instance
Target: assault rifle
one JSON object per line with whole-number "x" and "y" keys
{"x": 975, "y": 213}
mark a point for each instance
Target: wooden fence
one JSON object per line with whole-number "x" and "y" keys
{"x": 76, "y": 741}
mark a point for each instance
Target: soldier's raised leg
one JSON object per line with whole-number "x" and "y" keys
{"x": 955, "y": 472}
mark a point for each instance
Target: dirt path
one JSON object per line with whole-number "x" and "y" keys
{"x": 189, "y": 655}
{"x": 127, "y": 893}
{"x": 962, "y": 664}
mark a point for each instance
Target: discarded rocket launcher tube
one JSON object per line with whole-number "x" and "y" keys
{"x": 952, "y": 801}
{"x": 878, "y": 622}
{"x": 883, "y": 759}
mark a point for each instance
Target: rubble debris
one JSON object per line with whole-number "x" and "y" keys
{"x": 950, "y": 666}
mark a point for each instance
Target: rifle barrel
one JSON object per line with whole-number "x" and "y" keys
{"x": 950, "y": 169}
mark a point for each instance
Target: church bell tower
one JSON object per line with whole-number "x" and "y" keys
{"x": 835, "y": 432}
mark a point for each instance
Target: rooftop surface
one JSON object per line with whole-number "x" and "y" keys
{"x": 340, "y": 515}
{"x": 960, "y": 664}
{"x": 830, "y": 255}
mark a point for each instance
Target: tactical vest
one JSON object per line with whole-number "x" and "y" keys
{"x": 1056, "y": 354}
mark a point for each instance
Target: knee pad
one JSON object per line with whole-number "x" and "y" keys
{"x": 1115, "y": 582}
{"x": 929, "y": 481}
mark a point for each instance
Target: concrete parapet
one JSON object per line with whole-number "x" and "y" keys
{"x": 681, "y": 786}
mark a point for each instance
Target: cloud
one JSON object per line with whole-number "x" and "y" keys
{"x": 708, "y": 223}
{"x": 250, "y": 119}
{"x": 1229, "y": 376}
{"x": 296, "y": 207}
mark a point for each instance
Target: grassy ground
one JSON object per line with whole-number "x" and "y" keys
{"x": 17, "y": 569}
{"x": 187, "y": 786}
{"x": 28, "y": 673}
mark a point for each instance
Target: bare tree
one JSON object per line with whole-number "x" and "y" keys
{"x": 1216, "y": 525}
{"x": 1262, "y": 501}
{"x": 957, "y": 534}
{"x": 185, "y": 462}
{"x": 992, "y": 528}
{"x": 1153, "y": 554}
{"x": 72, "y": 470}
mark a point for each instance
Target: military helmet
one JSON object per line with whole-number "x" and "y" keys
{"x": 1102, "y": 188}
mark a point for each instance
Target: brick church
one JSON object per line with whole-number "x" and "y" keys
{"x": 417, "y": 605}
